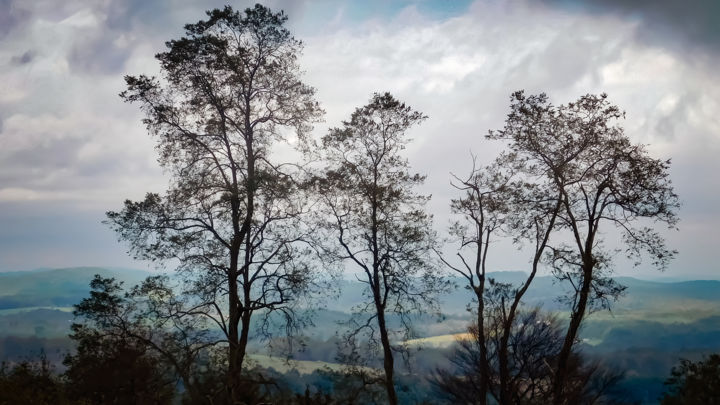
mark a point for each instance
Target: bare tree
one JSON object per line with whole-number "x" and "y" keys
{"x": 232, "y": 217}
{"x": 378, "y": 221}
{"x": 536, "y": 339}
{"x": 498, "y": 201}
{"x": 483, "y": 211}
{"x": 600, "y": 180}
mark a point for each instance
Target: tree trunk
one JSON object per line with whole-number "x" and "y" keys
{"x": 388, "y": 361}
{"x": 484, "y": 366}
{"x": 505, "y": 389}
{"x": 238, "y": 317}
{"x": 504, "y": 373}
{"x": 561, "y": 372}
{"x": 233, "y": 322}
{"x": 242, "y": 345}
{"x": 237, "y": 358}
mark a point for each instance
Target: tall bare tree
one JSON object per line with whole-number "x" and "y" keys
{"x": 600, "y": 181}
{"x": 378, "y": 220}
{"x": 483, "y": 210}
{"x": 231, "y": 218}
{"x": 498, "y": 201}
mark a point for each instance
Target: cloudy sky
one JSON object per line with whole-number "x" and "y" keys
{"x": 71, "y": 150}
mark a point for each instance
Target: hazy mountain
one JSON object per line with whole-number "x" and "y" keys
{"x": 55, "y": 287}
{"x": 66, "y": 287}
{"x": 646, "y": 332}
{"x": 545, "y": 291}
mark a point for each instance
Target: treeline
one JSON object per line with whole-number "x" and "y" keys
{"x": 111, "y": 380}
{"x": 256, "y": 238}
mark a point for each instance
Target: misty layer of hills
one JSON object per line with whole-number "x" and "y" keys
{"x": 644, "y": 334}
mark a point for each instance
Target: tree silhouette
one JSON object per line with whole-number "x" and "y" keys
{"x": 232, "y": 217}
{"x": 31, "y": 382}
{"x": 114, "y": 327}
{"x": 535, "y": 341}
{"x": 378, "y": 221}
{"x": 694, "y": 382}
{"x": 497, "y": 201}
{"x": 108, "y": 369}
{"x": 582, "y": 159}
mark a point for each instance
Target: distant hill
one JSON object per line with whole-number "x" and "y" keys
{"x": 36, "y": 305}
{"x": 67, "y": 286}
{"x": 544, "y": 292}
{"x": 55, "y": 287}
{"x": 646, "y": 332}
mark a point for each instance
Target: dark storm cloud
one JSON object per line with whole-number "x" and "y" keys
{"x": 106, "y": 48}
{"x": 11, "y": 16}
{"x": 677, "y": 116}
{"x": 684, "y": 24}
{"x": 23, "y": 59}
{"x": 170, "y": 16}
{"x": 60, "y": 149}
{"x": 580, "y": 56}
{"x": 52, "y": 166}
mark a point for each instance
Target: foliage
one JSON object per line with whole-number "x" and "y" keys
{"x": 112, "y": 368}
{"x": 694, "y": 382}
{"x": 138, "y": 320}
{"x": 31, "y": 382}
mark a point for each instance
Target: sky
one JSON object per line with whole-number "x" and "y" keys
{"x": 70, "y": 149}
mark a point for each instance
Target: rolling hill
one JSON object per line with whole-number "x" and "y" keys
{"x": 645, "y": 334}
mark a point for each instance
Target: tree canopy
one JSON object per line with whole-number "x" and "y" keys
{"x": 231, "y": 219}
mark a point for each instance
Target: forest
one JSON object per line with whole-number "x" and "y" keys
{"x": 305, "y": 268}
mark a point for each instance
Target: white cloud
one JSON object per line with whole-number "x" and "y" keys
{"x": 67, "y": 136}
{"x": 461, "y": 71}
